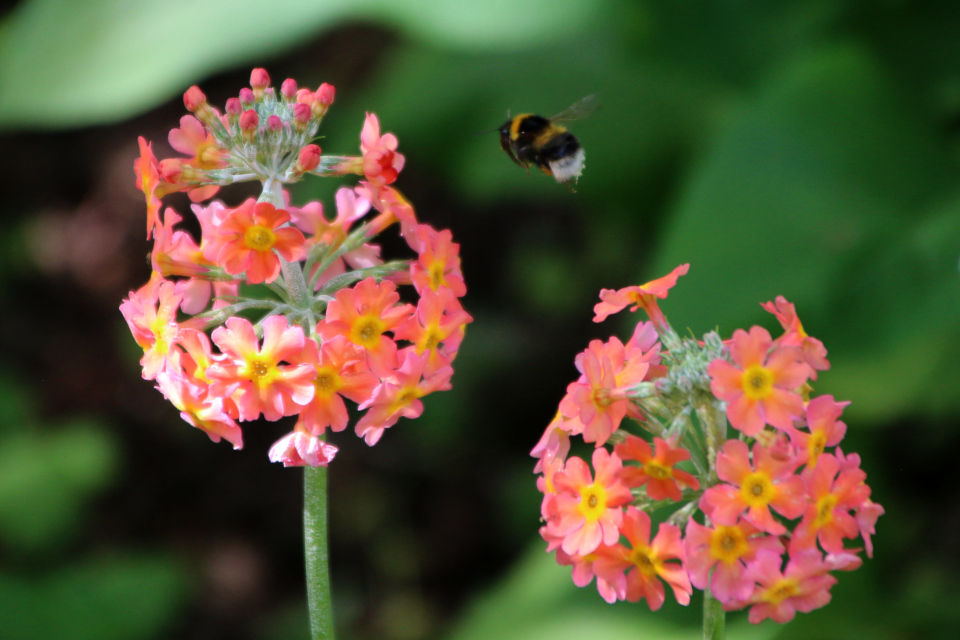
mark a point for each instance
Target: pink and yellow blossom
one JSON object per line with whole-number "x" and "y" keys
{"x": 825, "y": 429}
{"x": 645, "y": 295}
{"x": 301, "y": 448}
{"x": 657, "y": 471}
{"x": 803, "y": 586}
{"x": 151, "y": 315}
{"x": 814, "y": 353}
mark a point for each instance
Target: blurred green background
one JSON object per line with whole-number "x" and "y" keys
{"x": 804, "y": 148}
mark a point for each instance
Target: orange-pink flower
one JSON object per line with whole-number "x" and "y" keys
{"x": 814, "y": 353}
{"x": 254, "y": 376}
{"x": 398, "y": 396}
{"x": 589, "y": 512}
{"x": 148, "y": 179}
{"x": 194, "y": 140}
{"x": 648, "y": 563}
{"x": 596, "y": 403}
{"x": 726, "y": 550}
{"x": 438, "y": 264}
{"x": 803, "y": 586}
{"x": 249, "y": 239}
{"x": 657, "y": 471}
{"x": 341, "y": 371}
{"x": 436, "y": 328}
{"x": 769, "y": 483}
{"x": 833, "y": 492}
{"x": 301, "y": 448}
{"x": 645, "y": 295}
{"x": 762, "y": 387}
{"x": 554, "y": 444}
{"x": 362, "y": 314}
{"x": 198, "y": 408}
{"x": 151, "y": 314}
{"x": 381, "y": 162}
{"x": 825, "y": 429}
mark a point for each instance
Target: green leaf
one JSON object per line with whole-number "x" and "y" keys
{"x": 121, "y": 598}
{"x": 65, "y": 63}
{"x": 46, "y": 476}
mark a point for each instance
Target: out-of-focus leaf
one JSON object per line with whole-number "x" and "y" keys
{"x": 123, "y": 598}
{"x": 538, "y": 600}
{"x": 66, "y": 63}
{"x": 45, "y": 476}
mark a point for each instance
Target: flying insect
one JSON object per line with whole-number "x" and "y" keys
{"x": 530, "y": 139}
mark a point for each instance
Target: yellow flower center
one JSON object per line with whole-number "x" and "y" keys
{"x": 642, "y": 557}
{"x": 405, "y": 397}
{"x": 657, "y": 471}
{"x": 757, "y": 490}
{"x": 366, "y": 331}
{"x": 781, "y": 590}
{"x": 327, "y": 382}
{"x": 261, "y": 372}
{"x": 259, "y": 238}
{"x": 593, "y": 501}
{"x": 436, "y": 275}
{"x": 431, "y": 338}
{"x": 815, "y": 446}
{"x": 757, "y": 382}
{"x": 825, "y": 507}
{"x": 728, "y": 544}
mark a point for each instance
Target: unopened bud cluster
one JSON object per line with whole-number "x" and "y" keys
{"x": 332, "y": 324}
{"x": 758, "y": 520}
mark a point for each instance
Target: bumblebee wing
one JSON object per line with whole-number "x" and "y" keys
{"x": 579, "y": 109}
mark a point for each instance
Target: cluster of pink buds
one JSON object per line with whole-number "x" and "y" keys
{"x": 330, "y": 312}
{"x": 757, "y": 520}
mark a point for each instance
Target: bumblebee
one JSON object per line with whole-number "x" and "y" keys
{"x": 530, "y": 139}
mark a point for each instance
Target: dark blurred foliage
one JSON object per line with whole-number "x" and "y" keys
{"x": 804, "y": 148}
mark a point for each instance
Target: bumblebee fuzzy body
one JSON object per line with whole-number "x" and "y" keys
{"x": 530, "y": 139}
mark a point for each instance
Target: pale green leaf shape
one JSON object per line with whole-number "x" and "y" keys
{"x": 537, "y": 600}
{"x": 67, "y": 63}
{"x": 116, "y": 598}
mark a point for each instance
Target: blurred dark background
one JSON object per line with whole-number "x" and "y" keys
{"x": 804, "y": 148}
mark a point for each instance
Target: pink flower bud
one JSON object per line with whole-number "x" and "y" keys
{"x": 249, "y": 120}
{"x": 309, "y": 158}
{"x": 274, "y": 123}
{"x": 270, "y": 94}
{"x": 247, "y": 98}
{"x": 326, "y": 94}
{"x": 170, "y": 170}
{"x": 289, "y": 89}
{"x": 302, "y": 113}
{"x": 233, "y": 107}
{"x": 193, "y": 99}
{"x": 305, "y": 96}
{"x": 259, "y": 79}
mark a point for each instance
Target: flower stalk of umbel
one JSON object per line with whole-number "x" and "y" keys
{"x": 327, "y": 325}
{"x": 725, "y": 448}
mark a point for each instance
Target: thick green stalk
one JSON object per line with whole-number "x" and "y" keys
{"x": 319, "y": 602}
{"x": 714, "y": 617}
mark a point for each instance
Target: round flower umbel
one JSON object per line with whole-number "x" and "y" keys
{"x": 336, "y": 322}
{"x": 717, "y": 439}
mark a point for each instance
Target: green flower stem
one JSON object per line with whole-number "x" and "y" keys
{"x": 319, "y": 602}
{"x": 714, "y": 617}
{"x": 297, "y": 292}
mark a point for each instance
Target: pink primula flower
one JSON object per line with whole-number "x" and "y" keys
{"x": 250, "y": 238}
{"x": 645, "y": 295}
{"x": 342, "y": 372}
{"x": 436, "y": 328}
{"x": 438, "y": 264}
{"x": 833, "y": 492}
{"x": 146, "y": 168}
{"x": 657, "y": 471}
{"x": 648, "y": 563}
{"x": 381, "y": 162}
{"x": 253, "y": 376}
{"x": 589, "y": 511}
{"x": 825, "y": 429}
{"x": 302, "y": 449}
{"x": 194, "y": 140}
{"x": 151, "y": 314}
{"x": 596, "y": 401}
{"x": 362, "y": 314}
{"x": 762, "y": 387}
{"x": 814, "y": 353}
{"x": 398, "y": 396}
{"x": 199, "y": 409}
{"x": 554, "y": 444}
{"x": 803, "y": 586}
{"x": 726, "y": 550}
{"x": 769, "y": 483}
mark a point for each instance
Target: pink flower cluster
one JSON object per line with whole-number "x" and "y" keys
{"x": 336, "y": 342}
{"x": 777, "y": 501}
